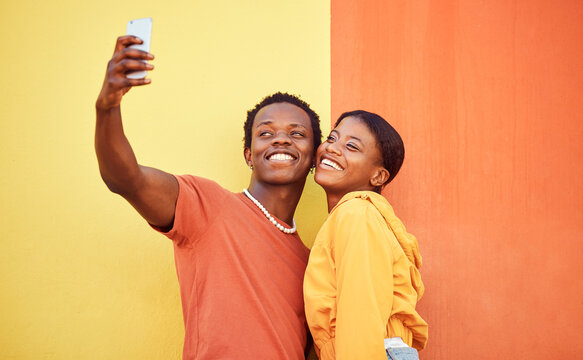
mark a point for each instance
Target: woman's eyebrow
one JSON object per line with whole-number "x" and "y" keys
{"x": 350, "y": 136}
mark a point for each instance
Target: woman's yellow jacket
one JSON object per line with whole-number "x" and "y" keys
{"x": 362, "y": 282}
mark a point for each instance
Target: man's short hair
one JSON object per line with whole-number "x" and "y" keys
{"x": 280, "y": 97}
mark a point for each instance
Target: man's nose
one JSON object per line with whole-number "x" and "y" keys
{"x": 281, "y": 137}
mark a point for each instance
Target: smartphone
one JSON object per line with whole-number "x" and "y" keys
{"x": 141, "y": 28}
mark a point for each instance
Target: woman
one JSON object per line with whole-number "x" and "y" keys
{"x": 362, "y": 281}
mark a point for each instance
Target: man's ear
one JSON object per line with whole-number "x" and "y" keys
{"x": 314, "y": 158}
{"x": 380, "y": 177}
{"x": 247, "y": 156}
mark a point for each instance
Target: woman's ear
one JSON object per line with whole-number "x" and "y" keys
{"x": 380, "y": 177}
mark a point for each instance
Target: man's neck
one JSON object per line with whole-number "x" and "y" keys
{"x": 280, "y": 200}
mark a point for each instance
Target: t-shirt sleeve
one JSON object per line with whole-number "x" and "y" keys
{"x": 364, "y": 278}
{"x": 199, "y": 201}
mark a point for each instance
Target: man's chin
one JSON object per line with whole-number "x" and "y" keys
{"x": 285, "y": 179}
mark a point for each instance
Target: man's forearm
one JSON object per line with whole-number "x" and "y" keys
{"x": 117, "y": 163}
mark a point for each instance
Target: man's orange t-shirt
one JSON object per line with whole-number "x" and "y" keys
{"x": 240, "y": 277}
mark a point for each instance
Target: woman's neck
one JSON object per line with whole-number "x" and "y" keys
{"x": 333, "y": 199}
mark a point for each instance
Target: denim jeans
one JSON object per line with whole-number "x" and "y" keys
{"x": 398, "y": 350}
{"x": 402, "y": 353}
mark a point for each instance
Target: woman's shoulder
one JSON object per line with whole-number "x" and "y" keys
{"x": 358, "y": 203}
{"x": 356, "y": 209}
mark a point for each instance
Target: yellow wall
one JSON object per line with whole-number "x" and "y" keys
{"x": 82, "y": 275}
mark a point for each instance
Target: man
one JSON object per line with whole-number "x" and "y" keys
{"x": 239, "y": 261}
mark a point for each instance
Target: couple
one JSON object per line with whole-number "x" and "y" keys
{"x": 239, "y": 260}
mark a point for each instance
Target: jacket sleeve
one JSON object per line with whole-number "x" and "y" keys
{"x": 364, "y": 278}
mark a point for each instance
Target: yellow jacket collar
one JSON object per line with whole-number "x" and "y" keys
{"x": 407, "y": 241}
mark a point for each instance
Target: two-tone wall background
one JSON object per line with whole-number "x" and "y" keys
{"x": 488, "y": 97}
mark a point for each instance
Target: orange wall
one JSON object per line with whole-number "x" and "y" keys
{"x": 488, "y": 98}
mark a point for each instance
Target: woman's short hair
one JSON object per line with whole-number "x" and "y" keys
{"x": 388, "y": 140}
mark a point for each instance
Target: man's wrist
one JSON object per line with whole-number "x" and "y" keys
{"x": 103, "y": 108}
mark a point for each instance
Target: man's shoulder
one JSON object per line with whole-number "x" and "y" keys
{"x": 200, "y": 184}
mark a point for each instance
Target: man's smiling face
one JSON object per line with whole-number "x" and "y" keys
{"x": 282, "y": 144}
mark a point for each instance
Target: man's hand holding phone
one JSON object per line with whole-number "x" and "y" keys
{"x": 127, "y": 68}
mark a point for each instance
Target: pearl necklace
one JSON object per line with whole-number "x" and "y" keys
{"x": 269, "y": 216}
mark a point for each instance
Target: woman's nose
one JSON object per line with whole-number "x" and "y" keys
{"x": 333, "y": 148}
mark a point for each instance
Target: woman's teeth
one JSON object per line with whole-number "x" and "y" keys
{"x": 331, "y": 164}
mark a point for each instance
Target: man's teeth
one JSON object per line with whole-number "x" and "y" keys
{"x": 281, "y": 157}
{"x": 332, "y": 164}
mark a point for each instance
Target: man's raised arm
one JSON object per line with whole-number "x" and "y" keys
{"x": 151, "y": 192}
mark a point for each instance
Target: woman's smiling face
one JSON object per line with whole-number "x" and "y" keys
{"x": 349, "y": 159}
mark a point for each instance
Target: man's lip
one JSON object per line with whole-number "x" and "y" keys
{"x": 270, "y": 154}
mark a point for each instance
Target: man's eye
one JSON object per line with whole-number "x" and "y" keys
{"x": 297, "y": 133}
{"x": 264, "y": 133}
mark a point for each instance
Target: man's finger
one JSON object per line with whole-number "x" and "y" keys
{"x": 125, "y": 41}
{"x": 137, "y": 82}
{"x": 137, "y": 54}
{"x": 126, "y": 65}
{"x": 121, "y": 83}
{"x": 131, "y": 53}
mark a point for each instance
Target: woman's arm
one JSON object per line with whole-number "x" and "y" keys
{"x": 364, "y": 278}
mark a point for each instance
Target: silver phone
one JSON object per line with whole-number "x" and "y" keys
{"x": 141, "y": 28}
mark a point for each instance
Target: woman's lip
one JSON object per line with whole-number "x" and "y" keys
{"x": 325, "y": 162}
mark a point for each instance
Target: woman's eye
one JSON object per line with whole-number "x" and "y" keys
{"x": 352, "y": 147}
{"x": 330, "y": 138}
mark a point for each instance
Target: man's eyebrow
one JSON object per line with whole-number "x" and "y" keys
{"x": 265, "y": 122}
{"x": 269, "y": 122}
{"x": 296, "y": 125}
